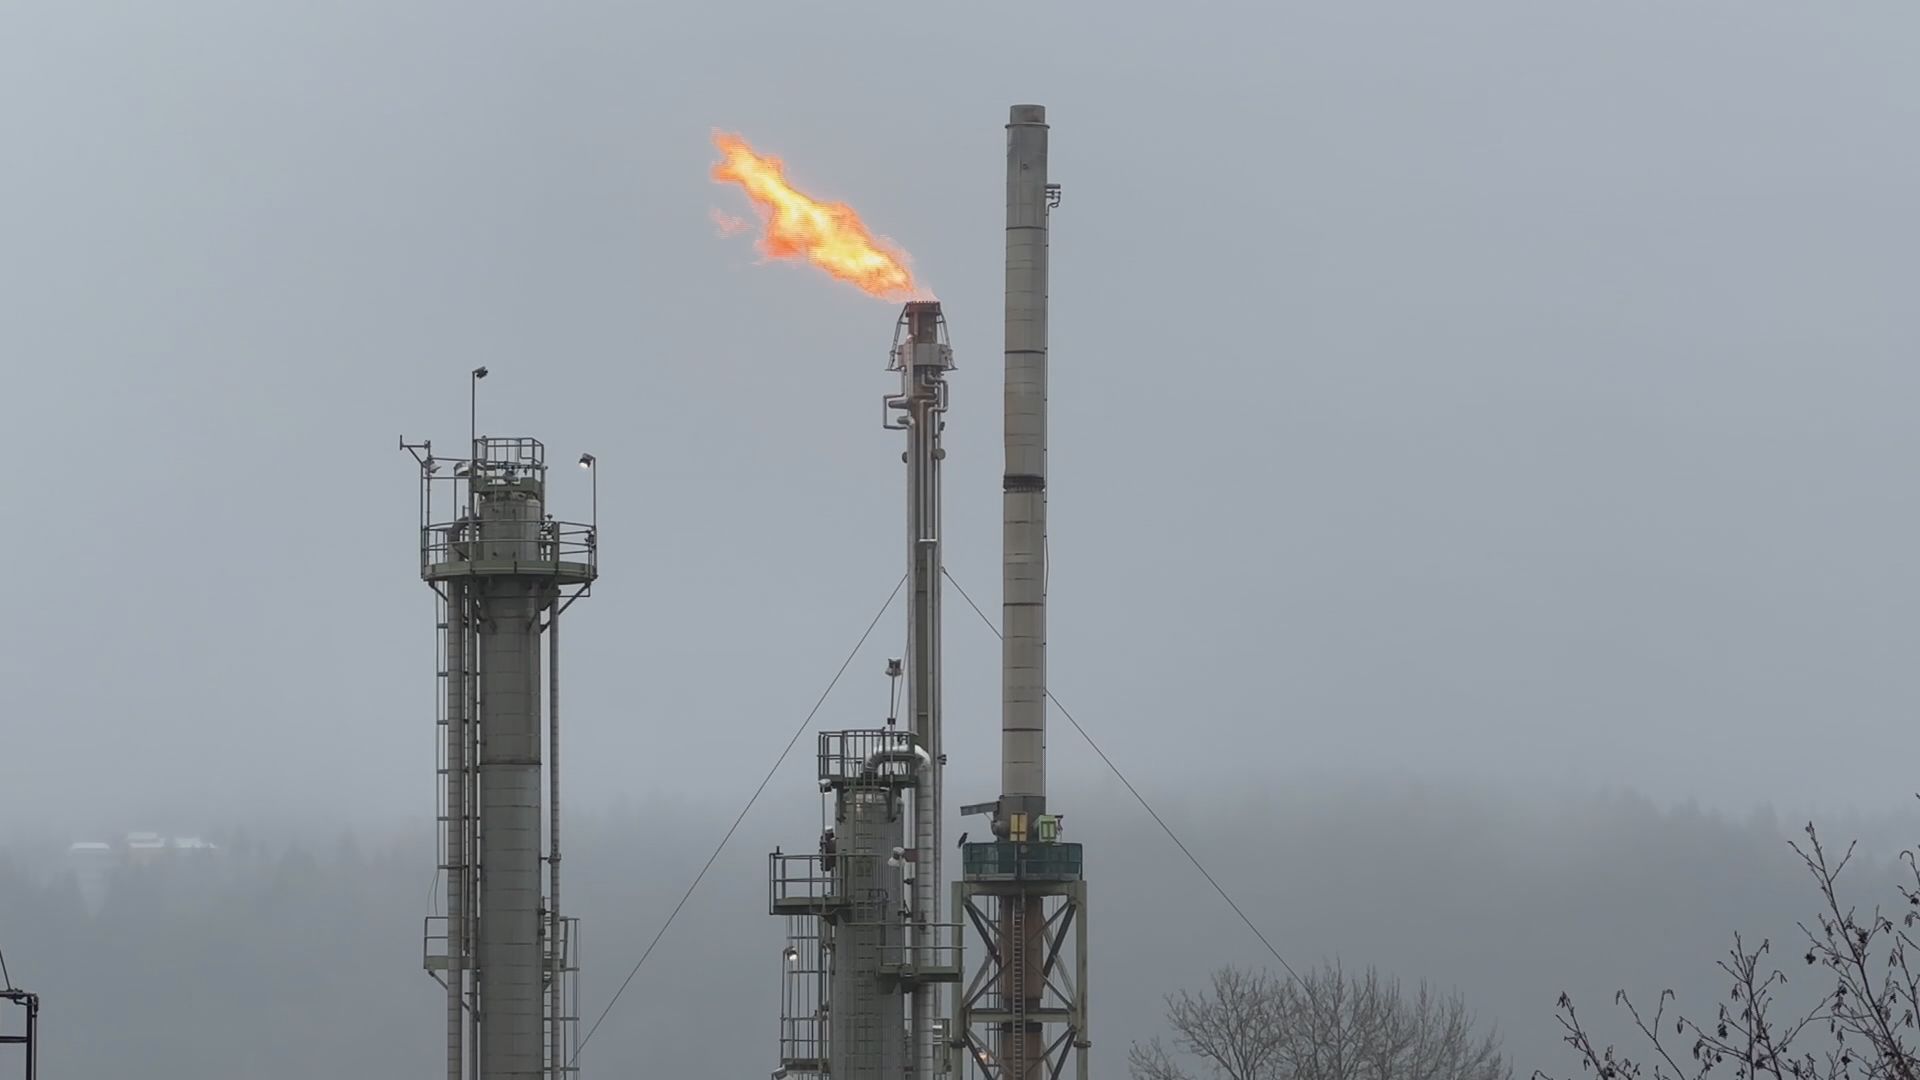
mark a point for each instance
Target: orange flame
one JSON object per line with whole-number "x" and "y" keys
{"x": 829, "y": 235}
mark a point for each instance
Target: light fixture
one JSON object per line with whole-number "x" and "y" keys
{"x": 480, "y": 373}
{"x": 586, "y": 461}
{"x": 791, "y": 955}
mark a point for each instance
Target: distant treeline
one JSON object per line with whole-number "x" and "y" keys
{"x": 302, "y": 960}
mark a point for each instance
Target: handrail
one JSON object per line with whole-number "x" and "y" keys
{"x": 943, "y": 951}
{"x": 880, "y": 755}
{"x": 1021, "y": 859}
{"x": 544, "y": 544}
{"x": 805, "y": 878}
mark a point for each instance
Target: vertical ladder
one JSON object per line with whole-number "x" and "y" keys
{"x": 1017, "y": 972}
{"x": 440, "y": 739}
{"x": 451, "y": 824}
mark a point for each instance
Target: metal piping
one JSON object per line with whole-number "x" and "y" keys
{"x": 1023, "y": 718}
{"x": 914, "y": 755}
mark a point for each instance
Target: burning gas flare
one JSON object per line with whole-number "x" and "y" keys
{"x": 828, "y": 235}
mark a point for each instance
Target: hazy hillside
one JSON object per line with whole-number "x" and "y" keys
{"x": 303, "y": 962}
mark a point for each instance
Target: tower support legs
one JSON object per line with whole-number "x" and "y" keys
{"x": 1022, "y": 1012}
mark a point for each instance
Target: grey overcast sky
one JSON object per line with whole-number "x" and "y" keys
{"x": 1516, "y": 391}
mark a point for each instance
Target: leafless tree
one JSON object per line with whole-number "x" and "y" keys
{"x": 1328, "y": 1026}
{"x": 1860, "y": 1026}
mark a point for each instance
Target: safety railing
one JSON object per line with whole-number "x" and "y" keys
{"x": 534, "y": 547}
{"x": 804, "y": 883}
{"x": 517, "y": 455}
{"x": 1003, "y": 859}
{"x": 433, "y": 943}
{"x": 564, "y": 1000}
{"x": 804, "y": 992}
{"x": 803, "y": 1044}
{"x": 942, "y": 956}
{"x": 876, "y": 756}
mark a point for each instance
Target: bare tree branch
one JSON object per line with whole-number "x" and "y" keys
{"x": 1870, "y": 1012}
{"x": 1252, "y": 1026}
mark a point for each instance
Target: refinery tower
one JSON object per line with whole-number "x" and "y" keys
{"x": 868, "y": 957}
{"x": 866, "y": 954}
{"x": 503, "y": 570}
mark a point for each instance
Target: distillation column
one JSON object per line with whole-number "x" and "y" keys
{"x": 504, "y": 570}
{"x": 507, "y": 610}
{"x": 848, "y": 957}
{"x": 866, "y": 1033}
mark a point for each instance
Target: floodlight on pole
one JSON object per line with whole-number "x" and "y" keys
{"x": 591, "y": 464}
{"x": 473, "y": 410}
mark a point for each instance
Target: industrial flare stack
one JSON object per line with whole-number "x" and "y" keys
{"x": 503, "y": 570}
{"x": 866, "y": 954}
{"x": 1023, "y": 1013}
{"x": 923, "y": 358}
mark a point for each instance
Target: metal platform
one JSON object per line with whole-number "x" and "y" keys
{"x": 1005, "y": 860}
{"x": 805, "y": 884}
{"x": 901, "y": 962}
{"x": 871, "y": 757}
{"x": 565, "y": 551}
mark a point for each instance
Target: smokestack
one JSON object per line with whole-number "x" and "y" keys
{"x": 1023, "y": 685}
{"x": 1024, "y": 892}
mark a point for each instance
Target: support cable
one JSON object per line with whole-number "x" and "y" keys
{"x": 1142, "y": 800}
{"x": 755, "y": 797}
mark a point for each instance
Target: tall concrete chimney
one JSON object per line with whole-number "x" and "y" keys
{"x": 1023, "y": 1013}
{"x": 1023, "y": 679}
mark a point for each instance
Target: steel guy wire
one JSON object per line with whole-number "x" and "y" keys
{"x": 755, "y": 797}
{"x": 1142, "y": 800}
